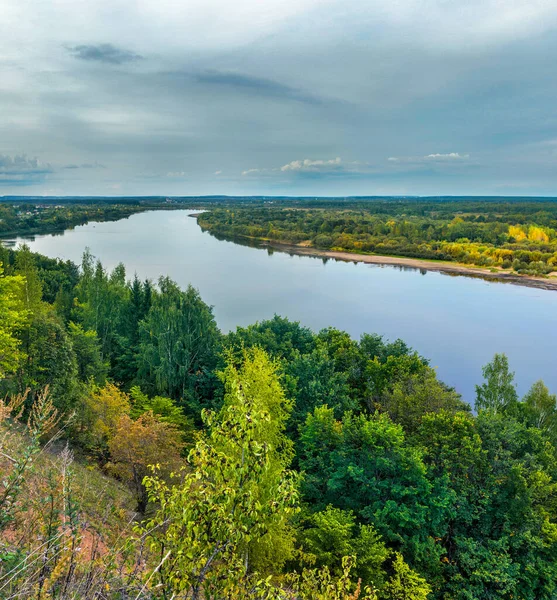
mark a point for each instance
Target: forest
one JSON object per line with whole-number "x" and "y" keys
{"x": 518, "y": 236}
{"x": 30, "y": 217}
{"x": 146, "y": 454}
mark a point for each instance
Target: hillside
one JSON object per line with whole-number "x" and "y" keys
{"x": 145, "y": 454}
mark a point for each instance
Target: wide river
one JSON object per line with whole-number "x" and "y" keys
{"x": 456, "y": 322}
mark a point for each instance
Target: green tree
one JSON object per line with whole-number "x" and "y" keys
{"x": 311, "y": 380}
{"x": 333, "y": 533}
{"x": 410, "y": 399}
{"x": 164, "y": 409}
{"x": 498, "y": 393}
{"x": 541, "y": 409}
{"x": 258, "y": 378}
{"x": 382, "y": 375}
{"x": 278, "y": 336}
{"x": 90, "y": 365}
{"x": 51, "y": 362}
{"x": 500, "y": 477}
{"x": 364, "y": 464}
{"x": 405, "y": 584}
{"x": 179, "y": 342}
{"x": 13, "y": 317}
{"x": 101, "y": 301}
{"x": 125, "y": 361}
{"x": 234, "y": 495}
{"x": 32, "y": 289}
{"x": 347, "y": 357}
{"x": 320, "y": 584}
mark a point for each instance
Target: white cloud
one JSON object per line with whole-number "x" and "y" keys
{"x": 435, "y": 157}
{"x": 312, "y": 165}
{"x": 306, "y": 165}
{"x": 332, "y": 166}
{"x": 448, "y": 156}
{"x": 176, "y": 174}
{"x": 217, "y": 172}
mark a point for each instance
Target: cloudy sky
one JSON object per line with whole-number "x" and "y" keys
{"x": 328, "y": 97}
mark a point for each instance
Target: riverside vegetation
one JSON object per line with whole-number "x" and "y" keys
{"x": 145, "y": 454}
{"x": 24, "y": 218}
{"x": 515, "y": 235}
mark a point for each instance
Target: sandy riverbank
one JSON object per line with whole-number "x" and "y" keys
{"x": 543, "y": 283}
{"x": 417, "y": 263}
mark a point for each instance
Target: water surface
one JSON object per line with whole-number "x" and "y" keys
{"x": 456, "y": 322}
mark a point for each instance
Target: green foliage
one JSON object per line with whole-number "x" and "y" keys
{"x": 90, "y": 365}
{"x": 164, "y": 409}
{"x": 319, "y": 584}
{"x": 347, "y": 355}
{"x": 102, "y": 297}
{"x": 236, "y": 494}
{"x": 521, "y": 235}
{"x": 312, "y": 380}
{"x": 279, "y": 337}
{"x": 332, "y": 534}
{"x": 541, "y": 409}
{"x": 383, "y": 375}
{"x": 32, "y": 289}
{"x": 399, "y": 482}
{"x": 498, "y": 393}
{"x": 500, "y": 478}
{"x": 51, "y": 361}
{"x": 405, "y": 583}
{"x": 411, "y": 398}
{"x": 363, "y": 464}
{"x": 125, "y": 362}
{"x": 13, "y": 317}
{"x": 179, "y": 342}
{"x": 258, "y": 380}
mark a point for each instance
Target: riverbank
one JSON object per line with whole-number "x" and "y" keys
{"x": 543, "y": 283}
{"x": 109, "y": 213}
{"x": 449, "y": 268}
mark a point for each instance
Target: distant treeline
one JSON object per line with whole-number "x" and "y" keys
{"x": 518, "y": 235}
{"x": 322, "y": 201}
{"x": 30, "y": 218}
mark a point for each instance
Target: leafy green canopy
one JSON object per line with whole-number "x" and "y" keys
{"x": 231, "y": 510}
{"x": 12, "y": 318}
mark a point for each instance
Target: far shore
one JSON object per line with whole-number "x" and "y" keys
{"x": 418, "y": 263}
{"x": 543, "y": 283}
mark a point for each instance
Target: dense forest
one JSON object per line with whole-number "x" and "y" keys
{"x": 518, "y": 236}
{"x": 146, "y": 454}
{"x": 28, "y": 217}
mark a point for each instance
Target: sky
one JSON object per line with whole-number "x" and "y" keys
{"x": 284, "y": 97}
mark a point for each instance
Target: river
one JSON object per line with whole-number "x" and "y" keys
{"x": 458, "y": 323}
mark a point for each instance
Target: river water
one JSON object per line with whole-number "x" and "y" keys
{"x": 456, "y": 322}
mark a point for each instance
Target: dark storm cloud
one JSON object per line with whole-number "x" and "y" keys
{"x": 104, "y": 53}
